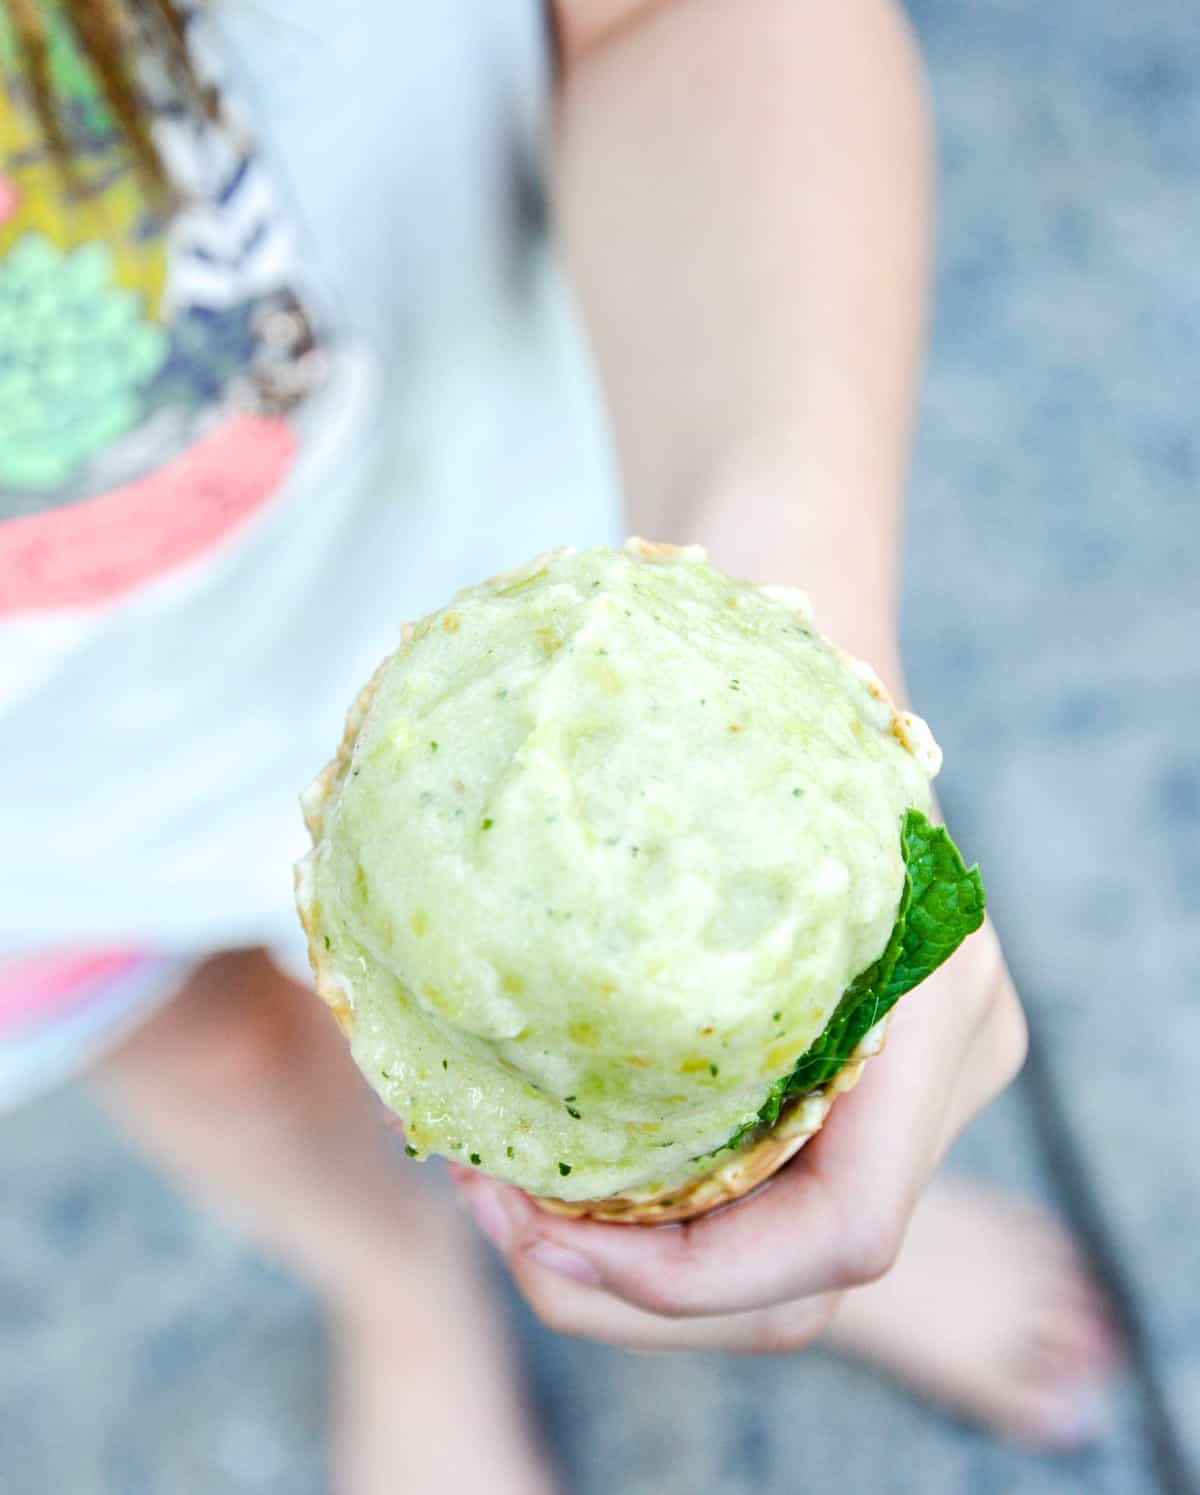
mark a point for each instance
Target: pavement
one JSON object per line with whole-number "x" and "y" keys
{"x": 1052, "y": 630}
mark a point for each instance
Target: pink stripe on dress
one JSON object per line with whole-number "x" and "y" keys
{"x": 88, "y": 552}
{"x": 41, "y": 986}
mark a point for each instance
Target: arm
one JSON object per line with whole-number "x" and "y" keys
{"x": 742, "y": 187}
{"x": 742, "y": 191}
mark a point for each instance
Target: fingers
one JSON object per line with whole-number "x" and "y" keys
{"x": 995, "y": 1059}
{"x": 812, "y": 1230}
{"x": 587, "y": 1312}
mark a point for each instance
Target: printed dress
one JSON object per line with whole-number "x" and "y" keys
{"x": 243, "y": 437}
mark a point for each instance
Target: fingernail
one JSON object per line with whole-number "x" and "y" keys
{"x": 565, "y": 1263}
{"x": 490, "y": 1216}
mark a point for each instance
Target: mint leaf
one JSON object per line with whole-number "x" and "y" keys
{"x": 941, "y": 902}
{"x": 947, "y": 904}
{"x": 863, "y": 1003}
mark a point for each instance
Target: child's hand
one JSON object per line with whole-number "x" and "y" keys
{"x": 763, "y": 1275}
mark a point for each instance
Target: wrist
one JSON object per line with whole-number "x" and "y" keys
{"x": 838, "y": 545}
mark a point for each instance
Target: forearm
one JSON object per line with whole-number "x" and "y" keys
{"x": 742, "y": 191}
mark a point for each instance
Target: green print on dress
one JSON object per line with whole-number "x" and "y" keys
{"x": 75, "y": 355}
{"x": 155, "y": 355}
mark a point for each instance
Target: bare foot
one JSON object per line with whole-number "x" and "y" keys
{"x": 427, "y": 1398}
{"x": 992, "y": 1312}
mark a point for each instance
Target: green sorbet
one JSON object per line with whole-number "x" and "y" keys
{"x": 616, "y": 835}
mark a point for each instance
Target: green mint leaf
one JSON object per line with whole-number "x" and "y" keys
{"x": 941, "y": 902}
{"x": 863, "y": 1003}
{"x": 947, "y": 904}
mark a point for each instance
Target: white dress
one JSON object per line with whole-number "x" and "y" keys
{"x": 244, "y": 445}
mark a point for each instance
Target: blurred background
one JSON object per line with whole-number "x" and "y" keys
{"x": 1053, "y": 635}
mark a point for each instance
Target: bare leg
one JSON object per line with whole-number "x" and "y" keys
{"x": 990, "y": 1311}
{"x": 243, "y": 1090}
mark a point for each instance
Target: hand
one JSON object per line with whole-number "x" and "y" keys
{"x": 764, "y": 1275}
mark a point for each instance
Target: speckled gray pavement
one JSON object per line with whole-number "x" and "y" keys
{"x": 1054, "y": 635}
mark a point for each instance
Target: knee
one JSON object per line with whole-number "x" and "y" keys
{"x": 236, "y": 1027}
